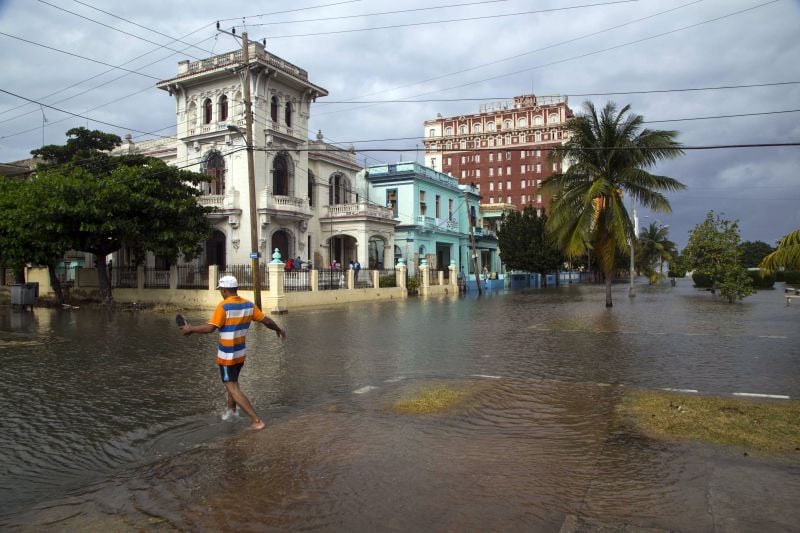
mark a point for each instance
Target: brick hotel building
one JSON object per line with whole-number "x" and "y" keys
{"x": 502, "y": 149}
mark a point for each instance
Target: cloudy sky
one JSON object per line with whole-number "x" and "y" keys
{"x": 373, "y": 50}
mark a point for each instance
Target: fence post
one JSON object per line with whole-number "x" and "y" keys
{"x": 400, "y": 273}
{"x": 140, "y": 277}
{"x": 173, "y": 277}
{"x": 277, "y": 297}
{"x": 213, "y": 274}
{"x": 314, "y": 280}
{"x": 376, "y": 278}
{"x": 453, "y": 273}
{"x": 426, "y": 277}
{"x": 351, "y": 278}
{"x": 441, "y": 277}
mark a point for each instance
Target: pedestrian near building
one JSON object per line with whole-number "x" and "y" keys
{"x": 232, "y": 318}
{"x": 356, "y": 270}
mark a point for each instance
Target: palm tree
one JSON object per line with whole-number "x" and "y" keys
{"x": 654, "y": 246}
{"x": 606, "y": 156}
{"x": 787, "y": 254}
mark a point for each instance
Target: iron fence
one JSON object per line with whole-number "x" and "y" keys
{"x": 192, "y": 277}
{"x": 387, "y": 278}
{"x": 434, "y": 276}
{"x": 243, "y": 274}
{"x": 364, "y": 279}
{"x": 297, "y": 280}
{"x": 332, "y": 279}
{"x": 123, "y": 277}
{"x": 156, "y": 278}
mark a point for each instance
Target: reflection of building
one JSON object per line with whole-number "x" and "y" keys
{"x": 502, "y": 149}
{"x": 431, "y": 208}
{"x": 305, "y": 196}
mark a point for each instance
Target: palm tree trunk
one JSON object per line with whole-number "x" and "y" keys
{"x": 609, "y": 275}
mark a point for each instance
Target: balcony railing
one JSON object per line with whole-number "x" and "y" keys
{"x": 483, "y": 232}
{"x": 438, "y": 223}
{"x": 211, "y": 200}
{"x": 362, "y": 209}
{"x": 284, "y": 204}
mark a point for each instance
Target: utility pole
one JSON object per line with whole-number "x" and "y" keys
{"x": 631, "y": 290}
{"x": 472, "y": 241}
{"x": 251, "y": 172}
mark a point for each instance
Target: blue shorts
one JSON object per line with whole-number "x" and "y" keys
{"x": 230, "y": 372}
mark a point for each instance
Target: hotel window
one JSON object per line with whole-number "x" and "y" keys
{"x": 538, "y": 183}
{"x": 287, "y": 115}
{"x": 539, "y": 168}
{"x": 508, "y": 140}
{"x": 522, "y": 184}
{"x": 422, "y": 206}
{"x": 476, "y": 128}
{"x": 491, "y": 199}
{"x": 508, "y": 185}
{"x": 449, "y": 161}
{"x": 462, "y": 130}
{"x": 491, "y": 157}
{"x": 522, "y": 123}
{"x": 499, "y": 171}
{"x": 522, "y": 169}
{"x": 522, "y": 199}
{"x": 499, "y": 185}
{"x": 553, "y": 119}
{"x": 508, "y": 199}
{"x": 539, "y": 198}
{"x": 508, "y": 155}
{"x": 491, "y": 186}
{"x": 507, "y": 124}
{"x": 477, "y": 158}
{"x": 490, "y": 126}
{"x": 490, "y": 142}
{"x": 538, "y": 153}
{"x": 539, "y": 212}
{"x": 508, "y": 171}
{"x": 499, "y": 156}
{"x": 450, "y": 209}
{"x": 537, "y": 136}
{"x": 273, "y": 109}
{"x": 491, "y": 171}
{"x": 431, "y": 132}
{"x": 463, "y": 159}
{"x": 463, "y": 174}
{"x": 463, "y": 145}
{"x": 537, "y": 120}
{"x": 448, "y": 130}
{"x": 438, "y": 206}
{"x": 477, "y": 173}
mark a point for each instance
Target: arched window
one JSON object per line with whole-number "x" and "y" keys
{"x": 280, "y": 175}
{"x": 448, "y": 130}
{"x": 538, "y": 136}
{"x": 311, "y": 189}
{"x": 490, "y": 126}
{"x": 223, "y": 108}
{"x": 191, "y": 115}
{"x": 476, "y": 128}
{"x": 537, "y": 120}
{"x": 207, "y": 111}
{"x": 338, "y": 189}
{"x": 273, "y": 109}
{"x": 287, "y": 114}
{"x": 507, "y": 124}
{"x": 462, "y": 130}
{"x": 214, "y": 166}
{"x": 522, "y": 122}
{"x": 553, "y": 119}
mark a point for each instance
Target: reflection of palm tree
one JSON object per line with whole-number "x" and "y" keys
{"x": 607, "y": 155}
{"x": 654, "y": 246}
{"x": 787, "y": 254}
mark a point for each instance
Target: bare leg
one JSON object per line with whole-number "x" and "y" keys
{"x": 241, "y": 400}
{"x": 230, "y": 403}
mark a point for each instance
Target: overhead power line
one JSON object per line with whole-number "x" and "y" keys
{"x": 291, "y": 10}
{"x": 60, "y": 51}
{"x": 465, "y": 19}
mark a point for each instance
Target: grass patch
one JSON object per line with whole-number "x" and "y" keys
{"x": 430, "y": 399}
{"x": 764, "y": 427}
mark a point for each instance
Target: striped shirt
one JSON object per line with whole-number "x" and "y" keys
{"x": 232, "y": 317}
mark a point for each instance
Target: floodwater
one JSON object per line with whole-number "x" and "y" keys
{"x": 110, "y": 420}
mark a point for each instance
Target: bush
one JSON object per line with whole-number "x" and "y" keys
{"x": 389, "y": 280}
{"x": 761, "y": 279}
{"x": 792, "y": 277}
{"x": 701, "y": 281}
{"x": 412, "y": 284}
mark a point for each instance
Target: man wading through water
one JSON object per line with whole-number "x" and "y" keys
{"x": 232, "y": 317}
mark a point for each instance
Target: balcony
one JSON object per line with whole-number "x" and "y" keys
{"x": 222, "y": 202}
{"x": 485, "y": 233}
{"x": 440, "y": 224}
{"x": 277, "y": 204}
{"x": 360, "y": 209}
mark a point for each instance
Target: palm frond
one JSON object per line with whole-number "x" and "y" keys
{"x": 787, "y": 254}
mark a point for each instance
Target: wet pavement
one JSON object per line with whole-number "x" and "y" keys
{"x": 112, "y": 419}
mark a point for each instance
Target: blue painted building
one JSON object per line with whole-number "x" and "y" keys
{"x": 433, "y": 215}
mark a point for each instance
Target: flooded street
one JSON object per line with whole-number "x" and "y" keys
{"x": 111, "y": 420}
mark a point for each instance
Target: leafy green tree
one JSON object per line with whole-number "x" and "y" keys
{"x": 751, "y": 253}
{"x": 525, "y": 244}
{"x": 90, "y": 201}
{"x": 654, "y": 248}
{"x": 787, "y": 254}
{"x": 678, "y": 266}
{"x": 713, "y": 252}
{"x": 607, "y": 156}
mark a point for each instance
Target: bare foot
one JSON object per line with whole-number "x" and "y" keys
{"x": 257, "y": 425}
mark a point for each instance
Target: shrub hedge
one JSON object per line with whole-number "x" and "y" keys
{"x": 792, "y": 277}
{"x": 701, "y": 281}
{"x": 761, "y": 279}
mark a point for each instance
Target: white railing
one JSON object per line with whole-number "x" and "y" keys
{"x": 359, "y": 209}
{"x": 279, "y": 202}
{"x": 211, "y": 200}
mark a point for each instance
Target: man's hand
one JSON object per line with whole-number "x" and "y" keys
{"x": 280, "y": 333}
{"x": 187, "y": 329}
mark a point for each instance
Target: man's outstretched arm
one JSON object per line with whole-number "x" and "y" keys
{"x": 267, "y": 321}
{"x": 188, "y": 329}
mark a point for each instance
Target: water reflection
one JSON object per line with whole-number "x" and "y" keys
{"x": 120, "y": 413}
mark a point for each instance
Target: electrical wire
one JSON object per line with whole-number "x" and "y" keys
{"x": 291, "y": 10}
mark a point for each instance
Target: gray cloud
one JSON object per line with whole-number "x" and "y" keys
{"x": 756, "y": 186}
